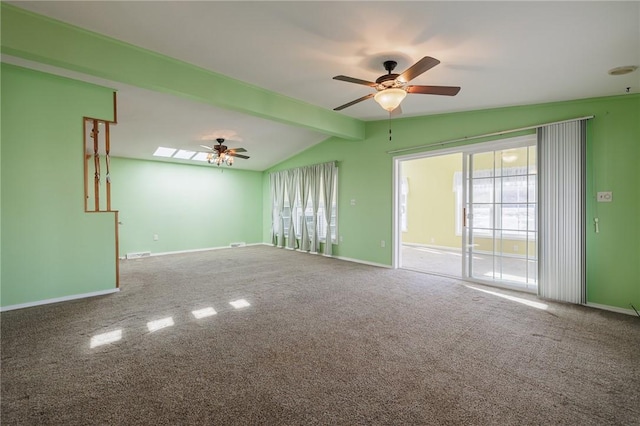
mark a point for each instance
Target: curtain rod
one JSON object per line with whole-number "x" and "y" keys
{"x": 335, "y": 163}
{"x": 502, "y": 132}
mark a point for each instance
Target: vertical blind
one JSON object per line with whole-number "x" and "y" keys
{"x": 561, "y": 215}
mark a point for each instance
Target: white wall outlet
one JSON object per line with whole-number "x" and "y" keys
{"x": 341, "y": 238}
{"x": 382, "y": 243}
{"x": 515, "y": 247}
{"x": 605, "y": 197}
{"x": 155, "y": 237}
{"x": 353, "y": 201}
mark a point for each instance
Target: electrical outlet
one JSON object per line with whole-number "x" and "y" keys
{"x": 382, "y": 243}
{"x": 515, "y": 247}
{"x": 605, "y": 197}
{"x": 155, "y": 237}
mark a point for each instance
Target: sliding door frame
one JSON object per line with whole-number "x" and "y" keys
{"x": 492, "y": 145}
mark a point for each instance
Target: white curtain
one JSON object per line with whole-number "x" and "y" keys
{"x": 277, "y": 181}
{"x": 303, "y": 188}
{"x": 315, "y": 181}
{"x": 292, "y": 186}
{"x": 328, "y": 174}
{"x": 561, "y": 216}
{"x": 295, "y": 190}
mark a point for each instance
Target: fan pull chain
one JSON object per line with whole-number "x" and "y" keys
{"x": 389, "y": 127}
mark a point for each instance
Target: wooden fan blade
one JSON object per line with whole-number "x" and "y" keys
{"x": 354, "y": 80}
{"x": 418, "y": 68}
{"x": 237, "y": 150}
{"x": 434, "y": 90}
{"x": 364, "y": 98}
{"x": 233, "y": 154}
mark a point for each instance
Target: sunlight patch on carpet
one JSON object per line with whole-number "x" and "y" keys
{"x": 203, "y": 313}
{"x": 106, "y": 338}
{"x": 160, "y": 324}
{"x": 536, "y": 305}
{"x": 240, "y": 303}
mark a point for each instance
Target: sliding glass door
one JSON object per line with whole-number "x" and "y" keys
{"x": 499, "y": 214}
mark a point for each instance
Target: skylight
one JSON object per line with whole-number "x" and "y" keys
{"x": 201, "y": 156}
{"x": 164, "y": 152}
{"x": 184, "y": 154}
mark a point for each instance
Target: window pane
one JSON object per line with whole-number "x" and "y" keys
{"x": 482, "y": 216}
{"x": 532, "y": 194}
{"x": 515, "y": 217}
{"x": 483, "y": 190}
{"x": 533, "y": 166}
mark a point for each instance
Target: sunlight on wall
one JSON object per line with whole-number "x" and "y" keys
{"x": 106, "y": 338}
{"x": 536, "y": 305}
{"x": 203, "y": 313}
{"x": 160, "y": 324}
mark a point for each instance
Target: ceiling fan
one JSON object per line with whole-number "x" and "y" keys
{"x": 221, "y": 154}
{"x": 392, "y": 88}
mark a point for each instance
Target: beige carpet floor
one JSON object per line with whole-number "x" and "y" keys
{"x": 318, "y": 341}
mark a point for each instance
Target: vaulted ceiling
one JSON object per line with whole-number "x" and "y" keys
{"x": 500, "y": 53}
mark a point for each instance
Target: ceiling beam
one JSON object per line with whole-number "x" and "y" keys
{"x": 39, "y": 38}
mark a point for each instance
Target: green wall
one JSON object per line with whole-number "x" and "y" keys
{"x": 50, "y": 248}
{"x": 365, "y": 175}
{"x": 188, "y": 207}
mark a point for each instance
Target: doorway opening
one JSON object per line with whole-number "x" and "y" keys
{"x": 470, "y": 212}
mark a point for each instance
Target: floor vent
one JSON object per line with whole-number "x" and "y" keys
{"x": 242, "y": 244}
{"x": 138, "y": 255}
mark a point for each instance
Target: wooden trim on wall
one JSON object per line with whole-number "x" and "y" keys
{"x": 86, "y": 157}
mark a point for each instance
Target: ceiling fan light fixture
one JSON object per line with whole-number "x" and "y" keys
{"x": 389, "y": 99}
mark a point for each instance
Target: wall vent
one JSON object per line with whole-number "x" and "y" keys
{"x": 138, "y": 255}
{"x": 240, "y": 244}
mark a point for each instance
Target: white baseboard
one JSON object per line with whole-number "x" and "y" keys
{"x": 611, "y": 308}
{"x": 364, "y": 262}
{"x": 58, "y": 299}
{"x": 164, "y": 253}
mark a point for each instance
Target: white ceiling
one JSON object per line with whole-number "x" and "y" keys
{"x": 500, "y": 53}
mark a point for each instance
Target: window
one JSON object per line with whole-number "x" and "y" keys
{"x": 513, "y": 211}
{"x": 317, "y": 185}
{"x": 307, "y": 214}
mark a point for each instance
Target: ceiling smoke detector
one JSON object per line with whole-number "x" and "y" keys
{"x": 623, "y": 70}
